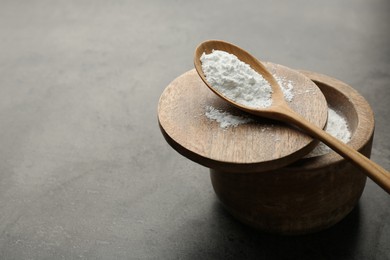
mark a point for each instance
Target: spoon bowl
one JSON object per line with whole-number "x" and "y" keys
{"x": 277, "y": 95}
{"x": 280, "y": 110}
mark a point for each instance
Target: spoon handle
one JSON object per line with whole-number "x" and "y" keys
{"x": 375, "y": 172}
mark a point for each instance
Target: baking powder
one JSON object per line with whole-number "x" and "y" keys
{"x": 225, "y": 119}
{"x": 337, "y": 127}
{"x": 236, "y": 80}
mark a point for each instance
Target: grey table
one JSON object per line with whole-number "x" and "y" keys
{"x": 84, "y": 170}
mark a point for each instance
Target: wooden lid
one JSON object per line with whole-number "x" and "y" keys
{"x": 256, "y": 146}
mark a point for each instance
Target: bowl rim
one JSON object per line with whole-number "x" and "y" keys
{"x": 365, "y": 126}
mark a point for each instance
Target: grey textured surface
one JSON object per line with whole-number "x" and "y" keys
{"x": 84, "y": 170}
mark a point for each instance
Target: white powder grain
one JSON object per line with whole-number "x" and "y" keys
{"x": 286, "y": 86}
{"x": 236, "y": 80}
{"x": 225, "y": 119}
{"x": 337, "y": 126}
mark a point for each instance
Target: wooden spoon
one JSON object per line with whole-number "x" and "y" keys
{"x": 279, "y": 110}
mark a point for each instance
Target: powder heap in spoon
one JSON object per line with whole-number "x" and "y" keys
{"x": 236, "y": 80}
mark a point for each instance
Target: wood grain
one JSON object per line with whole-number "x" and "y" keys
{"x": 253, "y": 147}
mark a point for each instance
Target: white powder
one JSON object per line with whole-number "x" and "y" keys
{"x": 236, "y": 80}
{"x": 337, "y": 127}
{"x": 286, "y": 86}
{"x": 225, "y": 119}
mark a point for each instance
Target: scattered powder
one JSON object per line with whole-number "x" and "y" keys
{"x": 225, "y": 119}
{"x": 286, "y": 86}
{"x": 235, "y": 79}
{"x": 337, "y": 126}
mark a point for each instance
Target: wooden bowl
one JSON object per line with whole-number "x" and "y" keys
{"x": 311, "y": 194}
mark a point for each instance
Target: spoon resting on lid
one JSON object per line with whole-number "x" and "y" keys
{"x": 280, "y": 110}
